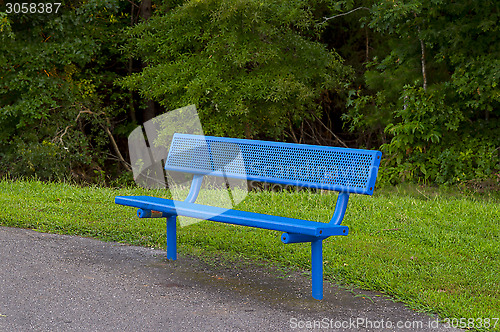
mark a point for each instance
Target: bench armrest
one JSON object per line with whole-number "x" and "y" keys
{"x": 340, "y": 208}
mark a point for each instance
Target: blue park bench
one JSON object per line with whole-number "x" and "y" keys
{"x": 322, "y": 167}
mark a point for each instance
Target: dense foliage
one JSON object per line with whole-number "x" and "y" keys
{"x": 435, "y": 92}
{"x": 56, "y": 89}
{"x": 417, "y": 79}
{"x": 249, "y": 66}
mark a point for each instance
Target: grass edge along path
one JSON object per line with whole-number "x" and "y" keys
{"x": 436, "y": 254}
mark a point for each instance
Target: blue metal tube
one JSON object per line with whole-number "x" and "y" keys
{"x": 144, "y": 213}
{"x": 172, "y": 237}
{"x": 195, "y": 189}
{"x": 317, "y": 269}
{"x": 288, "y": 238}
{"x": 340, "y": 208}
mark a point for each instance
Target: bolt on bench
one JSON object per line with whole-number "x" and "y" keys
{"x": 331, "y": 168}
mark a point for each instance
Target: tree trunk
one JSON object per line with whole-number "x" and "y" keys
{"x": 422, "y": 48}
{"x": 367, "y": 45}
{"x": 424, "y": 71}
{"x": 146, "y": 10}
{"x": 149, "y": 112}
{"x": 130, "y": 68}
{"x": 145, "y": 13}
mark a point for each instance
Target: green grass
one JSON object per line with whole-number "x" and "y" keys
{"x": 436, "y": 251}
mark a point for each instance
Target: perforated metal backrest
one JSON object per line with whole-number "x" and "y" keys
{"x": 323, "y": 167}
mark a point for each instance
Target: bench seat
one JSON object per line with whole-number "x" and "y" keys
{"x": 236, "y": 217}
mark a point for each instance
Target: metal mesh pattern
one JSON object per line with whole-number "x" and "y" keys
{"x": 285, "y": 163}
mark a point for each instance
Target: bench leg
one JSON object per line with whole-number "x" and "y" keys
{"x": 172, "y": 237}
{"x": 317, "y": 269}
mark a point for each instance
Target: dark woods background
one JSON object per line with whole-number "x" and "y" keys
{"x": 417, "y": 79}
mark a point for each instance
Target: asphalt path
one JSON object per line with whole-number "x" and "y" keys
{"x": 52, "y": 282}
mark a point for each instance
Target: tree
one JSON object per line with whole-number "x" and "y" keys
{"x": 145, "y": 11}
{"x": 57, "y": 97}
{"x": 436, "y": 90}
{"x": 251, "y": 67}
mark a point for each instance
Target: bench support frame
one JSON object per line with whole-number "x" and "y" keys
{"x": 316, "y": 253}
{"x": 172, "y": 237}
{"x": 317, "y": 268}
{"x": 286, "y": 238}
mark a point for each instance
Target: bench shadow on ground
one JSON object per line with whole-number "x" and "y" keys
{"x": 283, "y": 288}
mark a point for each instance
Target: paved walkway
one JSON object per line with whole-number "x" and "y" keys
{"x": 63, "y": 283}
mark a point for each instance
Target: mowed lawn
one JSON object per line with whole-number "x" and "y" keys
{"x": 436, "y": 251}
